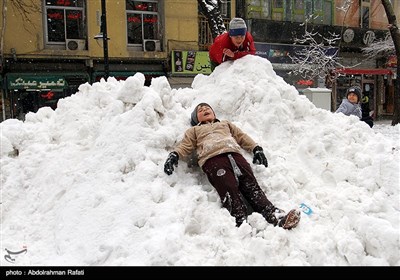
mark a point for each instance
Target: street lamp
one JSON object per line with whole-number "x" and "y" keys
{"x": 103, "y": 35}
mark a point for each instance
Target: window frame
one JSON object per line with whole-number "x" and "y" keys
{"x": 225, "y": 8}
{"x": 128, "y": 13}
{"x": 82, "y": 9}
{"x": 287, "y": 10}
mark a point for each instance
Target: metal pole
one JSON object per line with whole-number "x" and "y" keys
{"x": 105, "y": 37}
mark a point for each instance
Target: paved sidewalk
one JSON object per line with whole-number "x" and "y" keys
{"x": 385, "y": 121}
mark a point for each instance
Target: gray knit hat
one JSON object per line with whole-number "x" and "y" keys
{"x": 237, "y": 26}
{"x": 193, "y": 120}
{"x": 356, "y": 90}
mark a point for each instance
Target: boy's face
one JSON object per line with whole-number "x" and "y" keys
{"x": 205, "y": 114}
{"x": 352, "y": 97}
{"x": 237, "y": 40}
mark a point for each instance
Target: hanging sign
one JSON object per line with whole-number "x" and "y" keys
{"x": 16, "y": 81}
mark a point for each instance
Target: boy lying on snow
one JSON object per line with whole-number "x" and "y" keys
{"x": 218, "y": 145}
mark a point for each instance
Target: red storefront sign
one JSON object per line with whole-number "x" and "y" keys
{"x": 305, "y": 82}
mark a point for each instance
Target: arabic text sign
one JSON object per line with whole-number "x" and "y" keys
{"x": 36, "y": 82}
{"x": 190, "y": 62}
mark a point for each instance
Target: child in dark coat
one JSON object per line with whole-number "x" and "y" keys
{"x": 218, "y": 145}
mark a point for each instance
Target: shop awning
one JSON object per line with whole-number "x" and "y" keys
{"x": 352, "y": 71}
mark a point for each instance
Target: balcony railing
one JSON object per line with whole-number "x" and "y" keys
{"x": 205, "y": 35}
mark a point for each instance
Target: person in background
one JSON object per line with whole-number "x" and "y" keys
{"x": 232, "y": 45}
{"x": 218, "y": 145}
{"x": 365, "y": 111}
{"x": 351, "y": 104}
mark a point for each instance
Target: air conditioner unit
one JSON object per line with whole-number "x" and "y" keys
{"x": 151, "y": 45}
{"x": 75, "y": 44}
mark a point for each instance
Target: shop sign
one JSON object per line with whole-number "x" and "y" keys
{"x": 348, "y": 35}
{"x": 35, "y": 82}
{"x": 191, "y": 62}
{"x": 49, "y": 95}
{"x": 305, "y": 82}
{"x": 369, "y": 37}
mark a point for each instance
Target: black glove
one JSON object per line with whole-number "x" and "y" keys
{"x": 259, "y": 157}
{"x": 172, "y": 160}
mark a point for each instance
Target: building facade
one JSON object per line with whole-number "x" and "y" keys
{"x": 50, "y": 48}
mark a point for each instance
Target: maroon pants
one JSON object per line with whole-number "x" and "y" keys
{"x": 232, "y": 189}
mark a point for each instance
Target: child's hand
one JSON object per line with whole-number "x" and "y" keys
{"x": 172, "y": 160}
{"x": 228, "y": 52}
{"x": 259, "y": 157}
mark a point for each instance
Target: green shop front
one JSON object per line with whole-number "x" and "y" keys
{"x": 30, "y": 91}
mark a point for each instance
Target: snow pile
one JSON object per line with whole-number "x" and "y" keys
{"x": 84, "y": 184}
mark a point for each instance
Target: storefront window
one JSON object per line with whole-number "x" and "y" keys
{"x": 65, "y": 19}
{"x": 258, "y": 9}
{"x": 278, "y": 4}
{"x": 298, "y": 11}
{"x": 290, "y": 10}
{"x": 277, "y": 10}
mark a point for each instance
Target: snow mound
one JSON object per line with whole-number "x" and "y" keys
{"x": 84, "y": 184}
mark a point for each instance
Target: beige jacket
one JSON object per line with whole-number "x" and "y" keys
{"x": 212, "y": 139}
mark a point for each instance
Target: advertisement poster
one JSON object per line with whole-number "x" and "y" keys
{"x": 178, "y": 61}
{"x": 190, "y": 62}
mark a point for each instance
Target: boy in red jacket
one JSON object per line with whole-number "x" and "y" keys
{"x": 233, "y": 44}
